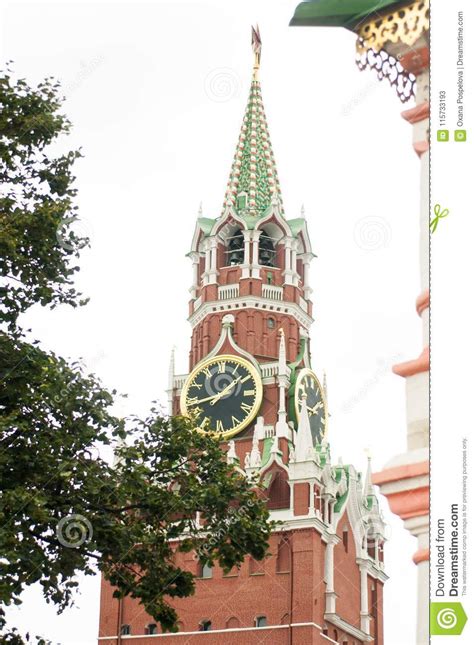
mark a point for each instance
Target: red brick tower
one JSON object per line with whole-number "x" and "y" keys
{"x": 251, "y": 379}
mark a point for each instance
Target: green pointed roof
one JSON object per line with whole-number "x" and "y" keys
{"x": 253, "y": 181}
{"x": 338, "y": 13}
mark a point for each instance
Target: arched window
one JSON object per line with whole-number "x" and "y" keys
{"x": 151, "y": 629}
{"x": 204, "y": 571}
{"x": 261, "y": 621}
{"x": 345, "y": 538}
{"x": 125, "y": 630}
{"x": 205, "y": 625}
{"x": 232, "y": 623}
{"x": 371, "y": 543}
{"x": 234, "y": 253}
{"x": 283, "y": 557}
{"x": 279, "y": 490}
{"x": 266, "y": 250}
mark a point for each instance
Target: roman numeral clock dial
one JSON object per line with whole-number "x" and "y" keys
{"x": 307, "y": 384}
{"x": 224, "y": 394}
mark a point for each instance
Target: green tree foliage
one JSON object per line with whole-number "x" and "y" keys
{"x": 38, "y": 245}
{"x": 64, "y": 509}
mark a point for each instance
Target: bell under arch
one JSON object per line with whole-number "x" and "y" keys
{"x": 235, "y": 248}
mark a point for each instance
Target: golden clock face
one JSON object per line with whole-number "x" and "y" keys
{"x": 307, "y": 384}
{"x": 224, "y": 393}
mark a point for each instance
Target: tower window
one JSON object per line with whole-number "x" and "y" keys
{"x": 345, "y": 539}
{"x": 241, "y": 201}
{"x": 235, "y": 249}
{"x": 266, "y": 251}
{"x": 125, "y": 630}
{"x": 152, "y": 629}
{"x": 271, "y": 323}
{"x": 205, "y": 626}
{"x": 205, "y": 571}
{"x": 261, "y": 621}
{"x": 232, "y": 623}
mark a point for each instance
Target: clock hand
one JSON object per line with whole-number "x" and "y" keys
{"x": 223, "y": 392}
{"x": 315, "y": 408}
{"x": 215, "y": 397}
{"x": 208, "y": 398}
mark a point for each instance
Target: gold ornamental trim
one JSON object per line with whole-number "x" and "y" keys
{"x": 405, "y": 25}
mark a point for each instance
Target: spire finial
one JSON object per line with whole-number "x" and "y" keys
{"x": 200, "y": 209}
{"x": 257, "y": 49}
{"x": 253, "y": 183}
{"x": 368, "y": 486}
{"x": 171, "y": 368}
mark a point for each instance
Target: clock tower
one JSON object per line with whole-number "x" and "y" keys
{"x": 251, "y": 380}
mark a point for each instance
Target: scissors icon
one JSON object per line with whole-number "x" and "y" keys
{"x": 439, "y": 214}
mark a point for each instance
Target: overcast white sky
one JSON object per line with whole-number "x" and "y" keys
{"x": 156, "y": 92}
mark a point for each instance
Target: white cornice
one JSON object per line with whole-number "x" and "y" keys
{"x": 214, "y": 631}
{"x": 336, "y": 620}
{"x": 250, "y": 302}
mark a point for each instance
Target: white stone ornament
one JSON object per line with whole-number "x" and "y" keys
{"x": 231, "y": 454}
{"x": 255, "y": 457}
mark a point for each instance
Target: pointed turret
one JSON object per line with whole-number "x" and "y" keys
{"x": 253, "y": 183}
{"x": 304, "y": 448}
{"x": 368, "y": 486}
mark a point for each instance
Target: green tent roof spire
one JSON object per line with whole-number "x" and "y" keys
{"x": 253, "y": 183}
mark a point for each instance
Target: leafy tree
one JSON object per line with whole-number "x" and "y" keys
{"x": 63, "y": 508}
{"x": 37, "y": 243}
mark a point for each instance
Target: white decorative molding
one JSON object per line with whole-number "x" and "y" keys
{"x": 228, "y": 291}
{"x": 303, "y": 304}
{"x": 251, "y": 302}
{"x": 272, "y": 292}
{"x": 343, "y": 625}
{"x": 179, "y": 381}
{"x": 214, "y": 631}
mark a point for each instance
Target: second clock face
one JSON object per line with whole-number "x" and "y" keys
{"x": 307, "y": 384}
{"x": 224, "y": 392}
